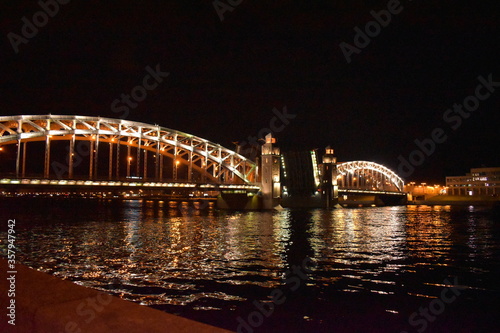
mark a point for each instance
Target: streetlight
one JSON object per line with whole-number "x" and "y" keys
{"x": 128, "y": 166}
{"x": 176, "y": 165}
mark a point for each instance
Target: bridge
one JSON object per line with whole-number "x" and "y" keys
{"x": 80, "y": 153}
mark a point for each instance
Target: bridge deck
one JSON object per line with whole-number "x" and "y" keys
{"x": 129, "y": 184}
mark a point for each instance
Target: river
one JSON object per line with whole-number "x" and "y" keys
{"x": 378, "y": 269}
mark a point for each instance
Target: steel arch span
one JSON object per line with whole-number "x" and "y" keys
{"x": 197, "y": 156}
{"x": 368, "y": 175}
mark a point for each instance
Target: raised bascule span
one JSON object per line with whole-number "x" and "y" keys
{"x": 79, "y": 153}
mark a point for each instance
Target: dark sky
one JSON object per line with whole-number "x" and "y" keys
{"x": 226, "y": 77}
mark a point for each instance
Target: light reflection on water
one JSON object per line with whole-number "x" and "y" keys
{"x": 152, "y": 254}
{"x": 358, "y": 235}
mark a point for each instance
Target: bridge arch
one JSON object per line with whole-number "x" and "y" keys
{"x": 368, "y": 175}
{"x": 210, "y": 160}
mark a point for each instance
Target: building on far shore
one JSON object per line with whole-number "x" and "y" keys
{"x": 479, "y": 182}
{"x": 424, "y": 191}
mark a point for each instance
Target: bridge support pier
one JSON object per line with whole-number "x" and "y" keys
{"x": 71, "y": 156}
{"x": 25, "y": 146}
{"x": 96, "y": 157}
{"x": 145, "y": 175}
{"x": 18, "y": 157}
{"x": 138, "y": 154}
{"x": 129, "y": 160}
{"x": 110, "y": 161}
{"x": 46, "y": 168}
{"x": 329, "y": 186}
{"x": 91, "y": 159}
{"x": 157, "y": 161}
{"x": 118, "y": 147}
{"x": 161, "y": 168}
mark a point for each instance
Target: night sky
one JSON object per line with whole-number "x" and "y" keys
{"x": 226, "y": 77}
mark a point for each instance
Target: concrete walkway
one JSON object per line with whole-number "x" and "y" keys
{"x": 44, "y": 303}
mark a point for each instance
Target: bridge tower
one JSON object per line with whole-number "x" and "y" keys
{"x": 329, "y": 187}
{"x": 271, "y": 169}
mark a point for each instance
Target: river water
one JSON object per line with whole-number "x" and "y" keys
{"x": 377, "y": 269}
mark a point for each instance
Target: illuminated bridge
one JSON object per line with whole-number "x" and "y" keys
{"x": 39, "y": 152}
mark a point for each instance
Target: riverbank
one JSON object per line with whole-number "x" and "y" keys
{"x": 44, "y": 303}
{"x": 459, "y": 200}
